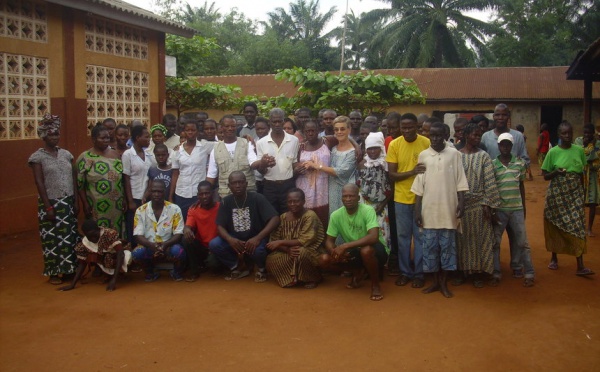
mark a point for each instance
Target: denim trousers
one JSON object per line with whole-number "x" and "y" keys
{"x": 175, "y": 253}
{"x": 520, "y": 252}
{"x": 228, "y": 256}
{"x": 408, "y": 232}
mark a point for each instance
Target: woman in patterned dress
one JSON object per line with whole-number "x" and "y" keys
{"x": 55, "y": 176}
{"x": 312, "y": 182}
{"x": 591, "y": 184}
{"x": 475, "y": 242}
{"x": 342, "y": 168}
{"x": 564, "y": 214}
{"x": 100, "y": 182}
{"x": 296, "y": 245}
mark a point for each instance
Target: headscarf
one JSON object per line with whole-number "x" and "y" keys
{"x": 375, "y": 139}
{"x": 160, "y": 127}
{"x": 50, "y": 123}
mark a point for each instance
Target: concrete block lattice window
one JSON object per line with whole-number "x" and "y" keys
{"x": 24, "y": 19}
{"x": 120, "y": 94}
{"x": 24, "y": 95}
{"x": 104, "y": 36}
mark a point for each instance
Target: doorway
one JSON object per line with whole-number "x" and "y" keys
{"x": 552, "y": 115}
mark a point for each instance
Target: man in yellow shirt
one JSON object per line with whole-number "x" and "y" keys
{"x": 403, "y": 166}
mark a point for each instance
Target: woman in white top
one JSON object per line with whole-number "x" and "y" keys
{"x": 191, "y": 160}
{"x": 136, "y": 162}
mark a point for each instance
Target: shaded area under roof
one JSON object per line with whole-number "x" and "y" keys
{"x": 448, "y": 84}
{"x": 127, "y": 13}
{"x": 587, "y": 64}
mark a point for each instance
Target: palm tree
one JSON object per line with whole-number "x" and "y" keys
{"x": 359, "y": 33}
{"x": 432, "y": 33}
{"x": 303, "y": 23}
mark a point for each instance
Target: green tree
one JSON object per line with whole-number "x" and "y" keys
{"x": 367, "y": 92}
{"x": 303, "y": 23}
{"x": 432, "y": 33}
{"x": 544, "y": 32}
{"x": 186, "y": 94}
{"x": 190, "y": 53}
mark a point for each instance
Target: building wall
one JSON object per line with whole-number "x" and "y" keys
{"x": 68, "y": 59}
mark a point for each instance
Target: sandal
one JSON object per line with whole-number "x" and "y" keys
{"x": 402, "y": 280}
{"x": 494, "y": 282}
{"x": 237, "y": 274}
{"x": 553, "y": 265}
{"x": 584, "y": 272}
{"x": 418, "y": 283}
{"x": 260, "y": 276}
{"x": 192, "y": 278}
{"x": 55, "y": 280}
{"x": 528, "y": 282}
{"x": 478, "y": 283}
{"x": 518, "y": 274}
{"x": 311, "y": 285}
{"x": 151, "y": 277}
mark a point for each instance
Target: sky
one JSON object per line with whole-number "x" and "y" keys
{"x": 257, "y": 9}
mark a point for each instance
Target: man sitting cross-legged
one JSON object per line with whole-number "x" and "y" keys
{"x": 363, "y": 247}
{"x": 244, "y": 222}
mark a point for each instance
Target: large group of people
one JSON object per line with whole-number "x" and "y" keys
{"x": 294, "y": 199}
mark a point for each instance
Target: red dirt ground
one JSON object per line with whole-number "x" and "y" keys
{"x": 214, "y": 325}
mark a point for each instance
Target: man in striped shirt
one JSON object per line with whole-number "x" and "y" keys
{"x": 510, "y": 174}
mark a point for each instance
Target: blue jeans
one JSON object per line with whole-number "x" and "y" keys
{"x": 145, "y": 255}
{"x": 228, "y": 256}
{"x": 520, "y": 252}
{"x": 408, "y": 231}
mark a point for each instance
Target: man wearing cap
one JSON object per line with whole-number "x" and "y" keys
{"x": 490, "y": 140}
{"x": 510, "y": 174}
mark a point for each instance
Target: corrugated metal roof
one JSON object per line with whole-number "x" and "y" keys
{"x": 128, "y": 13}
{"x": 449, "y": 84}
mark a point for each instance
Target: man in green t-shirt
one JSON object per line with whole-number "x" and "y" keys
{"x": 363, "y": 247}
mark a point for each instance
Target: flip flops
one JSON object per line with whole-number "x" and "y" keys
{"x": 237, "y": 274}
{"x": 584, "y": 272}
{"x": 553, "y": 265}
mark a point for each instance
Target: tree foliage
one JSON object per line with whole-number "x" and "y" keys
{"x": 367, "y": 92}
{"x": 186, "y": 94}
{"x": 544, "y": 32}
{"x": 432, "y": 33}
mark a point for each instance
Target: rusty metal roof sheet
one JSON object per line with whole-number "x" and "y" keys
{"x": 449, "y": 84}
{"x": 128, "y": 13}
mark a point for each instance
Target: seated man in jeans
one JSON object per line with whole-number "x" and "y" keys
{"x": 363, "y": 248}
{"x": 244, "y": 221}
{"x": 158, "y": 228}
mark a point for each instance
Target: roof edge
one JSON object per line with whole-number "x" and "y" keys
{"x": 127, "y": 14}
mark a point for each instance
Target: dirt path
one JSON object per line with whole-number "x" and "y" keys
{"x": 214, "y": 325}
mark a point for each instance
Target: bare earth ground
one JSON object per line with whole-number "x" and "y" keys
{"x": 214, "y": 325}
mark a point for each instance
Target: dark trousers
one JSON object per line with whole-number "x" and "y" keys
{"x": 196, "y": 255}
{"x": 276, "y": 193}
{"x": 129, "y": 216}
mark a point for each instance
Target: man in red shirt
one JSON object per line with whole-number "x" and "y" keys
{"x": 543, "y": 144}
{"x": 200, "y": 228}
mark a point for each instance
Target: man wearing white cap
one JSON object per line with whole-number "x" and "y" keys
{"x": 510, "y": 174}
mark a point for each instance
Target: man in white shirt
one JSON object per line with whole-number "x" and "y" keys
{"x": 278, "y": 151}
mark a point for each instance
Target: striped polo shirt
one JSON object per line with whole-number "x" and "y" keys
{"x": 508, "y": 179}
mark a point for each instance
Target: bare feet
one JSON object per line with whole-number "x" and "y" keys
{"x": 433, "y": 288}
{"x": 376, "y": 294}
{"x": 445, "y": 291}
